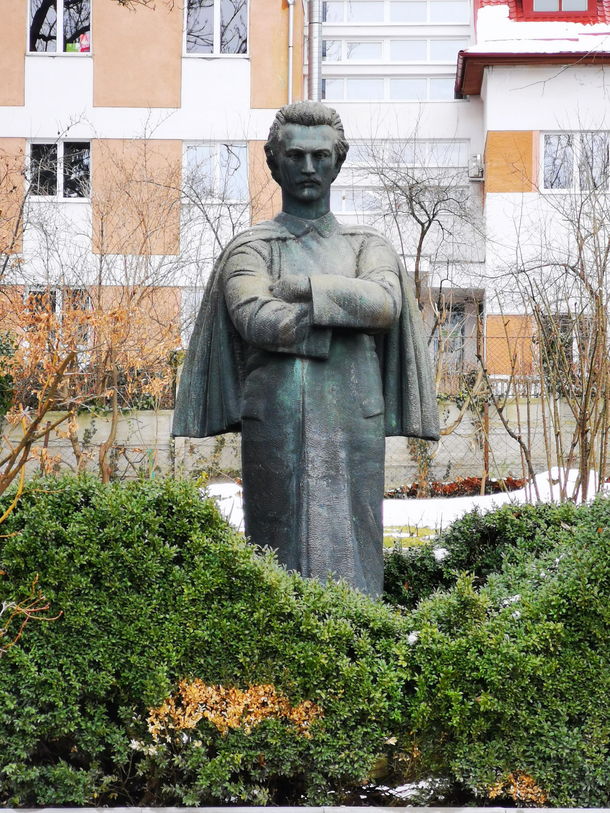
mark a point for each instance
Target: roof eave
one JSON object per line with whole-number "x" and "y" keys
{"x": 471, "y": 67}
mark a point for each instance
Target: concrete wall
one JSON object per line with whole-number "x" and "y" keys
{"x": 144, "y": 445}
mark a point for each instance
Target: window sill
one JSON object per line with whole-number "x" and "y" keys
{"x": 394, "y": 25}
{"x": 215, "y": 56}
{"x": 56, "y": 199}
{"x": 55, "y": 54}
{"x": 394, "y": 101}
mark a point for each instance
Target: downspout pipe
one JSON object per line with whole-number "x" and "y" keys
{"x": 314, "y": 83}
{"x": 290, "y": 49}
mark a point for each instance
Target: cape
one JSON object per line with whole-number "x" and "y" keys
{"x": 209, "y": 395}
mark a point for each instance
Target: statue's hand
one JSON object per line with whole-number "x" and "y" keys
{"x": 292, "y": 289}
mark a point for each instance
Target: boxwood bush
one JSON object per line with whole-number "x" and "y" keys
{"x": 155, "y": 588}
{"x": 512, "y": 678}
{"x": 494, "y": 687}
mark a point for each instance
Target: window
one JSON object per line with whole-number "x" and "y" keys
{"x": 576, "y": 161}
{"x": 60, "y": 26}
{"x": 362, "y": 51}
{"x": 353, "y": 11}
{"x": 407, "y": 89}
{"x": 396, "y": 50}
{"x": 216, "y": 27}
{"x": 400, "y": 11}
{"x": 557, "y": 6}
{"x": 413, "y": 153}
{"x": 446, "y": 50}
{"x": 60, "y": 170}
{"x": 449, "y": 339}
{"x": 355, "y": 200}
{"x": 409, "y": 50}
{"x": 42, "y": 300}
{"x": 76, "y": 305}
{"x": 217, "y": 171}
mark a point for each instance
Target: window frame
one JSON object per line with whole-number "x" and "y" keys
{"x": 386, "y": 50}
{"x": 216, "y": 54}
{"x": 530, "y": 15}
{"x": 577, "y": 149}
{"x": 387, "y": 16}
{"x": 423, "y": 149}
{"x": 59, "y": 36}
{"x": 59, "y": 144}
{"x": 386, "y": 98}
{"x": 59, "y": 298}
{"x": 217, "y": 144}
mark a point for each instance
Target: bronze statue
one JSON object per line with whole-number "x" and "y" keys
{"x": 309, "y": 340}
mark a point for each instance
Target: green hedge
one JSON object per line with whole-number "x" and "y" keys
{"x": 512, "y": 696}
{"x": 495, "y": 686}
{"x": 155, "y": 587}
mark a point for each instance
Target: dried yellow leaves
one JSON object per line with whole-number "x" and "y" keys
{"x": 228, "y": 708}
{"x": 521, "y": 788}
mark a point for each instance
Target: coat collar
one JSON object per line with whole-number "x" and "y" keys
{"x": 324, "y": 226}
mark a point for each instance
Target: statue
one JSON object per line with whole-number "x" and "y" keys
{"x": 309, "y": 340}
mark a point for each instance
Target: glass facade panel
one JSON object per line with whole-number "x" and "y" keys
{"x": 43, "y": 169}
{"x": 77, "y": 169}
{"x": 332, "y": 11}
{"x": 364, "y": 11}
{"x": 332, "y": 89}
{"x": 233, "y": 26}
{"x": 336, "y": 200}
{"x": 331, "y": 50}
{"x": 200, "y": 170}
{"x": 200, "y": 27}
{"x": 43, "y": 25}
{"x": 410, "y": 90}
{"x": 408, "y": 50}
{"x": 546, "y": 5}
{"x": 448, "y": 154}
{"x": 448, "y": 11}
{"x": 442, "y": 89}
{"x": 594, "y": 161}
{"x": 558, "y": 161}
{"x": 446, "y": 50}
{"x": 408, "y": 12}
{"x": 364, "y": 50}
{"x": 233, "y": 172}
{"x": 364, "y": 89}
{"x": 77, "y": 26}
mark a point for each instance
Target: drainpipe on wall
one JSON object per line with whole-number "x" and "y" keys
{"x": 290, "y": 47}
{"x": 314, "y": 83}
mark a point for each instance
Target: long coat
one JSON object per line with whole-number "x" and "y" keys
{"x": 314, "y": 386}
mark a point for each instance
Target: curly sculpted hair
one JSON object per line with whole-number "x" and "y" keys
{"x": 309, "y": 114}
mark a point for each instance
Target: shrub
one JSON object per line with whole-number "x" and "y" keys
{"x": 156, "y": 589}
{"x": 188, "y": 668}
{"x": 477, "y": 543}
{"x": 513, "y": 680}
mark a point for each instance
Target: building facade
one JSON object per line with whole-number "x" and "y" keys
{"x": 131, "y": 148}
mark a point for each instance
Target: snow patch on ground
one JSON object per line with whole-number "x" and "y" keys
{"x": 404, "y": 517}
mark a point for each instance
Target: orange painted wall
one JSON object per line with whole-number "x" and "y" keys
{"x": 266, "y": 196}
{"x": 160, "y": 304}
{"x": 268, "y": 46}
{"x": 13, "y": 21}
{"x": 136, "y": 187}
{"x": 510, "y": 337}
{"x": 509, "y": 161}
{"x": 137, "y": 54}
{"x": 12, "y": 190}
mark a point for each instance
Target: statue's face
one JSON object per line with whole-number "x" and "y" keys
{"x": 306, "y": 164}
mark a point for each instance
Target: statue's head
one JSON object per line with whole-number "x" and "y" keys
{"x": 306, "y": 149}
